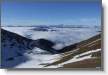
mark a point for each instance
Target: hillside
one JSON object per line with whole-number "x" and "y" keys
{"x": 13, "y": 47}
{"x": 86, "y": 54}
{"x": 22, "y": 52}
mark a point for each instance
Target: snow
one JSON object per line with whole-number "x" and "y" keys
{"x": 75, "y": 58}
{"x": 70, "y": 61}
{"x": 39, "y": 61}
{"x": 61, "y": 37}
{"x": 36, "y": 60}
{"x": 91, "y": 51}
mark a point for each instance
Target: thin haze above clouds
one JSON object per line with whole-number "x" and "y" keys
{"x": 30, "y": 12}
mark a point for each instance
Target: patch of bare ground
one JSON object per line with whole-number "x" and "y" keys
{"x": 90, "y": 44}
{"x": 87, "y": 63}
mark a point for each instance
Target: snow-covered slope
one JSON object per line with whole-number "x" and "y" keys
{"x": 27, "y": 48}
{"x": 13, "y": 46}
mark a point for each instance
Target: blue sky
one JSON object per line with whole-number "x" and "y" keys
{"x": 38, "y": 13}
